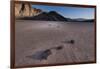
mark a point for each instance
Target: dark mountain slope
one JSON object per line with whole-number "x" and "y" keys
{"x": 44, "y": 16}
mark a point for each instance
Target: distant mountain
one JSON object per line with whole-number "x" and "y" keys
{"x": 57, "y": 17}
{"x": 44, "y": 16}
{"x": 81, "y": 20}
{"x": 89, "y": 20}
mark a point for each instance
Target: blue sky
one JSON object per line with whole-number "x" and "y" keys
{"x": 69, "y": 12}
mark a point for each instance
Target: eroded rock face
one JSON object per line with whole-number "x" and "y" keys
{"x": 25, "y": 9}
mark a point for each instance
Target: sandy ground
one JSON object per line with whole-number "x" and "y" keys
{"x": 33, "y": 36}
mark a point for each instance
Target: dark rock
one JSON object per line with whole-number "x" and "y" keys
{"x": 59, "y": 47}
{"x": 72, "y": 41}
{"x": 69, "y": 41}
{"x": 41, "y": 55}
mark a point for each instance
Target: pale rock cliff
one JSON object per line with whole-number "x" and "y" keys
{"x": 25, "y": 9}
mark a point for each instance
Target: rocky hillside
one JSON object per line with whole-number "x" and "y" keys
{"x": 50, "y": 16}
{"x": 25, "y": 9}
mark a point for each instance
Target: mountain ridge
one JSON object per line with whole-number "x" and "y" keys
{"x": 54, "y": 16}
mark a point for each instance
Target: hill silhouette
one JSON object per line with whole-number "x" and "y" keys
{"x": 44, "y": 16}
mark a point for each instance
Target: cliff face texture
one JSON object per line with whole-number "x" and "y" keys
{"x": 26, "y": 10}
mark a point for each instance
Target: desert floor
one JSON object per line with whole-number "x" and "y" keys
{"x": 33, "y": 36}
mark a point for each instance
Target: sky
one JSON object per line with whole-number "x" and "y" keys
{"x": 69, "y": 12}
